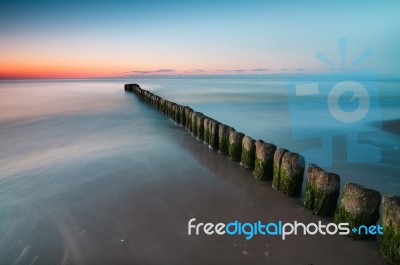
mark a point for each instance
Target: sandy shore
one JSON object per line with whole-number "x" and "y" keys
{"x": 245, "y": 199}
{"x": 214, "y": 189}
{"x": 146, "y": 223}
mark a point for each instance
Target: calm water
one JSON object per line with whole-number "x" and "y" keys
{"x": 70, "y": 154}
{"x": 80, "y": 163}
{"x": 260, "y": 109}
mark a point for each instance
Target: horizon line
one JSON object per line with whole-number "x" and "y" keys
{"x": 178, "y": 76}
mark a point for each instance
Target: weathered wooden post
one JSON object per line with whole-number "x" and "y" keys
{"x": 359, "y": 207}
{"x": 278, "y": 155}
{"x": 389, "y": 242}
{"x": 194, "y": 122}
{"x": 235, "y": 145}
{"x": 193, "y": 128}
{"x": 214, "y": 143}
{"x": 207, "y": 120}
{"x": 289, "y": 178}
{"x": 322, "y": 191}
{"x": 248, "y": 152}
{"x": 264, "y": 158}
{"x": 223, "y": 135}
{"x": 176, "y": 117}
{"x": 200, "y": 127}
{"x": 189, "y": 119}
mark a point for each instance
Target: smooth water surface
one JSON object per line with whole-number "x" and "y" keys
{"x": 92, "y": 175}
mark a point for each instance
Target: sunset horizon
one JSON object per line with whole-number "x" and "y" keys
{"x": 109, "y": 39}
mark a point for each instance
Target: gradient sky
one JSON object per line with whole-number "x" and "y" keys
{"x": 116, "y": 38}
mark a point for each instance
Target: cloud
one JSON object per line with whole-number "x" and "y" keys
{"x": 145, "y": 72}
{"x": 165, "y": 70}
{"x": 260, "y": 69}
{"x": 229, "y": 70}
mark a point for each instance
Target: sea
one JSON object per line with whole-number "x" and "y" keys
{"x": 85, "y": 167}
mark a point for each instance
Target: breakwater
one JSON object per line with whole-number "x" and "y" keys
{"x": 286, "y": 171}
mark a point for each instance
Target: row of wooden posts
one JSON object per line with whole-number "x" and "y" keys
{"x": 359, "y": 205}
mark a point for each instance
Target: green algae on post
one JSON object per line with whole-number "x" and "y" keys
{"x": 182, "y": 116}
{"x": 291, "y": 174}
{"x": 214, "y": 142}
{"x": 200, "y": 127}
{"x": 194, "y": 122}
{"x": 248, "y": 152}
{"x": 359, "y": 206}
{"x": 263, "y": 164}
{"x": 389, "y": 241}
{"x": 189, "y": 119}
{"x": 278, "y": 155}
{"x": 235, "y": 145}
{"x": 207, "y": 120}
{"x": 223, "y": 136}
{"x": 322, "y": 191}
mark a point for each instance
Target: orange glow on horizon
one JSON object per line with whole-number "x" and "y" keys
{"x": 47, "y": 68}
{"x": 50, "y": 71}
{"x": 18, "y": 70}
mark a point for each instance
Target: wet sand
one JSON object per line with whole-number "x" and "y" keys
{"x": 236, "y": 195}
{"x": 147, "y": 222}
{"x": 217, "y": 191}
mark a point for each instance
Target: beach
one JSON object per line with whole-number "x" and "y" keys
{"x": 91, "y": 175}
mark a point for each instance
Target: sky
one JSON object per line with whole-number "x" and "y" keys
{"x": 78, "y": 39}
